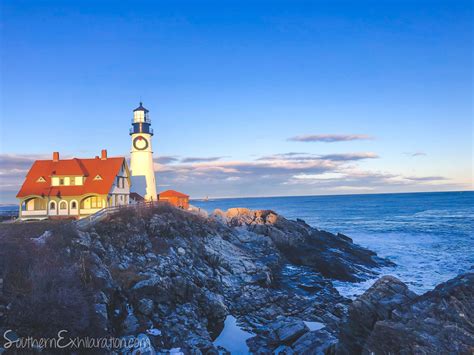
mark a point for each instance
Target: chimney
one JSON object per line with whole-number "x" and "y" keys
{"x": 55, "y": 156}
{"x": 103, "y": 154}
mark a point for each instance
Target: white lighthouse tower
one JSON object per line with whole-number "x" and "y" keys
{"x": 141, "y": 160}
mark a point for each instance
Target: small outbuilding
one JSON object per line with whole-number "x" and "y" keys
{"x": 175, "y": 198}
{"x": 136, "y": 198}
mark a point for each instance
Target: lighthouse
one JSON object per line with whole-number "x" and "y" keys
{"x": 141, "y": 160}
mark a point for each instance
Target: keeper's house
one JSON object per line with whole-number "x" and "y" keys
{"x": 73, "y": 188}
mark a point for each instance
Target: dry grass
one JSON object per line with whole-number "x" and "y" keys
{"x": 28, "y": 229}
{"x": 43, "y": 284}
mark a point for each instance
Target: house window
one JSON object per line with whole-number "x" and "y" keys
{"x": 61, "y": 181}
{"x": 96, "y": 202}
{"x": 72, "y": 181}
{"x": 63, "y": 205}
{"x": 52, "y": 205}
{"x": 98, "y": 177}
{"x": 40, "y": 204}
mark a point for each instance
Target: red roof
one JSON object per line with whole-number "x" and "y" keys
{"x": 106, "y": 168}
{"x": 172, "y": 193}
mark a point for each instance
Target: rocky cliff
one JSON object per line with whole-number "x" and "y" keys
{"x": 172, "y": 277}
{"x": 175, "y": 276}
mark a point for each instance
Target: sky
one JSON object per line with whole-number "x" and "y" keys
{"x": 247, "y": 98}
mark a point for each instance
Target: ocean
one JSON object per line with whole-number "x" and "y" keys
{"x": 430, "y": 236}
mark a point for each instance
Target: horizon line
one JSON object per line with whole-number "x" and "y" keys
{"x": 327, "y": 195}
{"x": 348, "y": 194}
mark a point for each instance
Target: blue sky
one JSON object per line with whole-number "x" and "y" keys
{"x": 232, "y": 82}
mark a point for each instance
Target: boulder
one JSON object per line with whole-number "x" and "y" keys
{"x": 377, "y": 303}
{"x": 439, "y": 321}
{"x": 388, "y": 318}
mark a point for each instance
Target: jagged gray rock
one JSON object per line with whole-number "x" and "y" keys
{"x": 316, "y": 342}
{"x": 388, "y": 318}
{"x": 182, "y": 273}
{"x": 439, "y": 321}
{"x": 288, "y": 331}
{"x": 377, "y": 303}
{"x": 334, "y": 256}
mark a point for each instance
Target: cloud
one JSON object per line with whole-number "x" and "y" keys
{"x": 415, "y": 154}
{"x": 18, "y": 162}
{"x": 308, "y": 157}
{"x": 345, "y": 178}
{"x": 13, "y": 169}
{"x": 330, "y": 138}
{"x": 292, "y": 173}
{"x": 425, "y": 178}
{"x": 166, "y": 159}
{"x": 324, "y": 176}
{"x": 349, "y": 156}
{"x": 199, "y": 159}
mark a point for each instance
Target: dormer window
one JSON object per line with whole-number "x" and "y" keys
{"x": 97, "y": 177}
{"x": 41, "y": 179}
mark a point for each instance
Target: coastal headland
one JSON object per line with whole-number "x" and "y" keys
{"x": 176, "y": 278}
